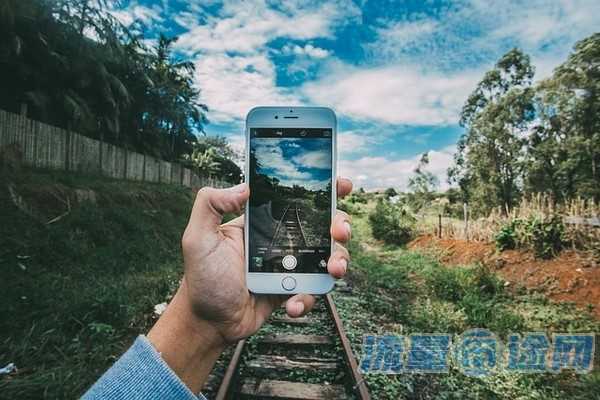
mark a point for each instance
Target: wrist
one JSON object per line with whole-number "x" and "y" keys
{"x": 189, "y": 345}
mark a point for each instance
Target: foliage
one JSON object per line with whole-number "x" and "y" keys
{"x": 532, "y": 139}
{"x": 390, "y": 192}
{"x": 497, "y": 114}
{"x": 213, "y": 155}
{"x": 76, "y": 66}
{"x": 399, "y": 291}
{"x": 392, "y": 224}
{"x": 78, "y": 291}
{"x": 564, "y": 156}
{"x": 506, "y": 238}
{"x": 544, "y": 236}
{"x": 422, "y": 184}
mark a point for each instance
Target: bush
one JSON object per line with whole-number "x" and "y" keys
{"x": 544, "y": 236}
{"x": 349, "y": 207}
{"x": 506, "y": 238}
{"x": 392, "y": 224}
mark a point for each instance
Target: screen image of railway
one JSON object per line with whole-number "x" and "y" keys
{"x": 290, "y": 204}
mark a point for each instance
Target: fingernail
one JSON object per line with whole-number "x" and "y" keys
{"x": 348, "y": 228}
{"x": 344, "y": 264}
{"x": 241, "y": 188}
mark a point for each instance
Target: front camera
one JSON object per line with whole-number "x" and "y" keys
{"x": 276, "y": 116}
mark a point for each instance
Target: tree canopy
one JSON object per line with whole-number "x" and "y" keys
{"x": 77, "y": 67}
{"x": 523, "y": 138}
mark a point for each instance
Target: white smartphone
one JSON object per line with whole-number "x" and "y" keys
{"x": 291, "y": 170}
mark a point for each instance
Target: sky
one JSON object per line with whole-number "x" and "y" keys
{"x": 395, "y": 72}
{"x": 295, "y": 161}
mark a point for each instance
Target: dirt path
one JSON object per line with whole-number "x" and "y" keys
{"x": 568, "y": 277}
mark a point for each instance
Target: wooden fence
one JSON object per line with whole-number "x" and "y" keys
{"x": 46, "y": 146}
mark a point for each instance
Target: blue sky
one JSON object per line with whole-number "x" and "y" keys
{"x": 395, "y": 72}
{"x": 294, "y": 161}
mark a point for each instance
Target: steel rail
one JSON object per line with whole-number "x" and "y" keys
{"x": 230, "y": 374}
{"x": 356, "y": 379}
{"x": 358, "y": 382}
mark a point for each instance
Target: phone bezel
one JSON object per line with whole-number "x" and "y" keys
{"x": 306, "y": 117}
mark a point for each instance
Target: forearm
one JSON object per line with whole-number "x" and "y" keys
{"x": 188, "y": 345}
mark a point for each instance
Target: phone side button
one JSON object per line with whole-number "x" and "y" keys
{"x": 288, "y": 283}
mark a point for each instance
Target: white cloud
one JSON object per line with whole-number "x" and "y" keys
{"x": 137, "y": 12}
{"x": 308, "y": 50}
{"x": 478, "y": 32}
{"x": 314, "y": 159}
{"x": 422, "y": 69}
{"x": 248, "y": 26}
{"x": 355, "y": 142}
{"x": 232, "y": 85}
{"x": 379, "y": 172}
{"x": 287, "y": 170}
{"x": 233, "y": 69}
{"x": 396, "y": 94}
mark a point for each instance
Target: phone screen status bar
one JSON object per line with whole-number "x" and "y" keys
{"x": 290, "y": 132}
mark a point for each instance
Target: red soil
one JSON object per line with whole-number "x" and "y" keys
{"x": 569, "y": 277}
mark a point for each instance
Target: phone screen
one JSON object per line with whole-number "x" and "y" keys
{"x": 290, "y": 200}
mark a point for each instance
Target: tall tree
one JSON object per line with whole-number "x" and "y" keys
{"x": 423, "y": 184}
{"x": 489, "y": 161}
{"x": 564, "y": 148}
{"x": 77, "y": 67}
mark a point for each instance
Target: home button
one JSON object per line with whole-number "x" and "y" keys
{"x": 288, "y": 283}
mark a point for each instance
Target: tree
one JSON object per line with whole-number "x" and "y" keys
{"x": 222, "y": 154}
{"x": 488, "y": 164}
{"x": 204, "y": 162}
{"x": 422, "y": 184}
{"x": 77, "y": 67}
{"x": 390, "y": 192}
{"x": 564, "y": 147}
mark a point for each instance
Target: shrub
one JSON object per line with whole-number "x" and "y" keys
{"x": 506, "y": 238}
{"x": 544, "y": 236}
{"x": 547, "y": 236}
{"x": 392, "y": 224}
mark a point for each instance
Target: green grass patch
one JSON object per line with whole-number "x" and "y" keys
{"x": 76, "y": 292}
{"x": 398, "y": 291}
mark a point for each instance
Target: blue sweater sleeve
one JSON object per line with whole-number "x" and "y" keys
{"x": 140, "y": 373}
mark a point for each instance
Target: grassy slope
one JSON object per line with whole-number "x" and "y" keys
{"x": 402, "y": 292}
{"x": 75, "y": 293}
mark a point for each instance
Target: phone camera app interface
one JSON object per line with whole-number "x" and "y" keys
{"x": 290, "y": 199}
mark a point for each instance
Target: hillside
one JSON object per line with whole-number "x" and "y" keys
{"x": 84, "y": 260}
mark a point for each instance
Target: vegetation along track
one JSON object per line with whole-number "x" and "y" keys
{"x": 296, "y": 358}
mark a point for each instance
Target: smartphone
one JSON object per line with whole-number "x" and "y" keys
{"x": 290, "y": 169}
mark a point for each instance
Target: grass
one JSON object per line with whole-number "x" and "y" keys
{"x": 76, "y": 292}
{"x": 398, "y": 291}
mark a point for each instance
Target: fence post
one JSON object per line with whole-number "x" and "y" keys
{"x": 24, "y": 110}
{"x": 440, "y": 226}
{"x": 466, "y": 217}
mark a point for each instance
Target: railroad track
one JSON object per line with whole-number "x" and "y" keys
{"x": 295, "y": 358}
{"x": 289, "y": 232}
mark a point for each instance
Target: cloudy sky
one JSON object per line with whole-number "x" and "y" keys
{"x": 396, "y": 72}
{"x": 294, "y": 161}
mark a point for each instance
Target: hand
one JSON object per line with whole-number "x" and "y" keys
{"x": 213, "y": 306}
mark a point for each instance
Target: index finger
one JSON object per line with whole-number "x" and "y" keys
{"x": 344, "y": 187}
